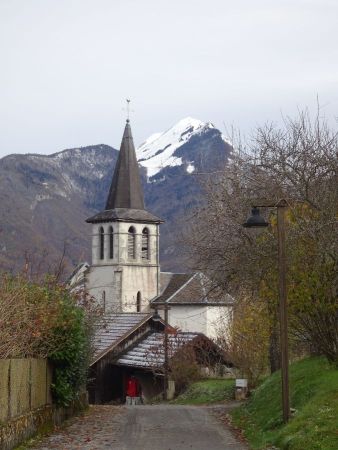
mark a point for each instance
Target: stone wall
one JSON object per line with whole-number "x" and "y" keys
{"x": 26, "y": 401}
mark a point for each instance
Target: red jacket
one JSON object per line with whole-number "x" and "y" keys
{"x": 132, "y": 387}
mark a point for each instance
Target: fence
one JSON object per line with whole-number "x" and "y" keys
{"x": 24, "y": 386}
{"x": 25, "y": 401}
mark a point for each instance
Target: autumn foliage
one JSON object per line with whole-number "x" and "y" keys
{"x": 296, "y": 162}
{"x": 43, "y": 320}
{"x": 246, "y": 340}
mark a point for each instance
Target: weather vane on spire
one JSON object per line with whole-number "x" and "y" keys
{"x": 128, "y": 109}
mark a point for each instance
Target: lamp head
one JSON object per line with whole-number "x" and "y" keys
{"x": 255, "y": 220}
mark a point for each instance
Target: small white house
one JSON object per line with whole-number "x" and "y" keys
{"x": 193, "y": 304}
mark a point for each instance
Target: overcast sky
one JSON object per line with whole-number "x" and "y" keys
{"x": 68, "y": 65}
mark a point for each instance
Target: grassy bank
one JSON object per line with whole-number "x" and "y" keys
{"x": 314, "y": 396}
{"x": 207, "y": 392}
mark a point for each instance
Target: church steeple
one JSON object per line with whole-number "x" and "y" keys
{"x": 126, "y": 189}
{"x": 124, "y": 275}
{"x": 125, "y": 199}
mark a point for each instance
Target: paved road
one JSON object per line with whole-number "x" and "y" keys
{"x": 158, "y": 427}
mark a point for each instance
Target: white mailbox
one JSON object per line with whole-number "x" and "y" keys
{"x": 241, "y": 390}
{"x": 241, "y": 382}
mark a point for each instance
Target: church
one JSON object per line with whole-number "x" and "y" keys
{"x": 125, "y": 270}
{"x": 139, "y": 302}
{"x": 125, "y": 275}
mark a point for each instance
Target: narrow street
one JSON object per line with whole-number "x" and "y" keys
{"x": 158, "y": 427}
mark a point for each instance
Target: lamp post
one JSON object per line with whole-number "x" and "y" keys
{"x": 257, "y": 221}
{"x": 157, "y": 318}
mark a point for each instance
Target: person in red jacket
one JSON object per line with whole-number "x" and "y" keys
{"x": 132, "y": 387}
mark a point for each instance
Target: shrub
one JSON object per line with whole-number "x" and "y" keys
{"x": 43, "y": 320}
{"x": 184, "y": 369}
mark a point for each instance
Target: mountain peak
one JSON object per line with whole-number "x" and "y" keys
{"x": 158, "y": 151}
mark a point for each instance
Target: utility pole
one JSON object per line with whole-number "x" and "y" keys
{"x": 166, "y": 368}
{"x": 157, "y": 318}
{"x": 257, "y": 221}
{"x": 283, "y": 310}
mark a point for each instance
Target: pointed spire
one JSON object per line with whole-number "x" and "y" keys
{"x": 126, "y": 190}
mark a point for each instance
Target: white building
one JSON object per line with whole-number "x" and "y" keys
{"x": 193, "y": 304}
{"x": 125, "y": 272}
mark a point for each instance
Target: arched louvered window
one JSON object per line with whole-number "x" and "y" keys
{"x": 131, "y": 243}
{"x": 111, "y": 242}
{"x": 101, "y": 238}
{"x": 145, "y": 243}
{"x": 138, "y": 302}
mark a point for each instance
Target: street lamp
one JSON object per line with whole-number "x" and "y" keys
{"x": 255, "y": 221}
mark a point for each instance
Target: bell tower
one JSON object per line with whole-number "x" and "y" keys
{"x": 125, "y": 270}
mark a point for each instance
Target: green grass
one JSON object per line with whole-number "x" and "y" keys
{"x": 207, "y": 392}
{"x": 314, "y": 395}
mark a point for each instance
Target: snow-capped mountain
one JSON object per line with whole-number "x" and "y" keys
{"x": 45, "y": 199}
{"x": 160, "y": 149}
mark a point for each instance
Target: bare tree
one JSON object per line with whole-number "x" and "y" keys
{"x": 297, "y": 162}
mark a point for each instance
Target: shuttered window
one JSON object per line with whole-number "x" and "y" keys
{"x": 131, "y": 243}
{"x": 145, "y": 243}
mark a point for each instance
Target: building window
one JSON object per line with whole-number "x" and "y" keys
{"x": 111, "y": 242}
{"x": 104, "y": 301}
{"x": 131, "y": 243}
{"x": 138, "y": 302}
{"x": 145, "y": 243}
{"x": 101, "y": 234}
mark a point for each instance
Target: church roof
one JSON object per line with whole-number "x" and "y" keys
{"x": 126, "y": 215}
{"x": 125, "y": 190}
{"x": 125, "y": 199}
{"x": 190, "y": 289}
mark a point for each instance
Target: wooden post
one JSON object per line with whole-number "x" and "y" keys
{"x": 166, "y": 309}
{"x": 283, "y": 310}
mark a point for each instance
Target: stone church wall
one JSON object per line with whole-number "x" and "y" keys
{"x": 115, "y": 282}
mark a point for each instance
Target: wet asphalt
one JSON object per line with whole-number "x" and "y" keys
{"x": 151, "y": 427}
